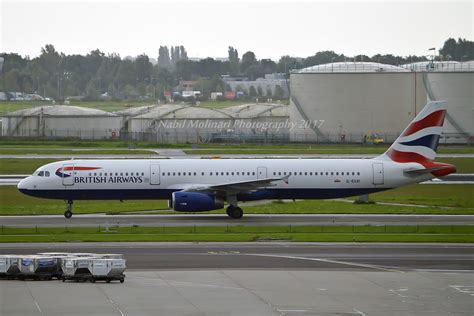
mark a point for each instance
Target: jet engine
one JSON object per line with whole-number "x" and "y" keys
{"x": 195, "y": 202}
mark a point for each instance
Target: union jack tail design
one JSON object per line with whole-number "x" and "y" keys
{"x": 419, "y": 141}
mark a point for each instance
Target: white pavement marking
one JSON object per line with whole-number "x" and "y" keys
{"x": 37, "y": 306}
{"x": 115, "y": 305}
{"x": 363, "y": 265}
{"x": 193, "y": 284}
{"x": 397, "y": 293}
{"x": 466, "y": 289}
{"x": 358, "y": 312}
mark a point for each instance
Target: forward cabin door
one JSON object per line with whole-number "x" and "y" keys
{"x": 377, "y": 169}
{"x": 261, "y": 172}
{"x": 68, "y": 174}
{"x": 155, "y": 174}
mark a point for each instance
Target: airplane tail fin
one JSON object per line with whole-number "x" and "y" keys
{"x": 419, "y": 141}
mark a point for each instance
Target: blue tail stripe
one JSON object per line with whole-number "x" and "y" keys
{"x": 430, "y": 141}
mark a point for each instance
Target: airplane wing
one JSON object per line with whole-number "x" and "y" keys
{"x": 237, "y": 187}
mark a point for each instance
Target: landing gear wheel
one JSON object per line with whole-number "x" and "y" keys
{"x": 68, "y": 213}
{"x": 229, "y": 210}
{"x": 234, "y": 212}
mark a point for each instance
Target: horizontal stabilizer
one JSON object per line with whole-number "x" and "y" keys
{"x": 424, "y": 170}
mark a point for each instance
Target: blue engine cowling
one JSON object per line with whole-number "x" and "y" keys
{"x": 195, "y": 202}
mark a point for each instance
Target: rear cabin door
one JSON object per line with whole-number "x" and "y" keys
{"x": 261, "y": 172}
{"x": 68, "y": 174}
{"x": 377, "y": 169}
{"x": 155, "y": 174}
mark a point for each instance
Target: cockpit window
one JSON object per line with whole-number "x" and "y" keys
{"x": 41, "y": 174}
{"x": 46, "y": 173}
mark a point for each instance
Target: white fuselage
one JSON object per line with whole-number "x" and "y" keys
{"x": 158, "y": 178}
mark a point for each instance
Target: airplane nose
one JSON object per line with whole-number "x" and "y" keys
{"x": 22, "y": 185}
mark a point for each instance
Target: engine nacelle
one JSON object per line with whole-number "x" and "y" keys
{"x": 195, "y": 202}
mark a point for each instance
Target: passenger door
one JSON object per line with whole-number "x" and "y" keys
{"x": 155, "y": 174}
{"x": 68, "y": 174}
{"x": 261, "y": 172}
{"x": 377, "y": 169}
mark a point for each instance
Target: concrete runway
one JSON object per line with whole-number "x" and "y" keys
{"x": 258, "y": 279}
{"x": 220, "y": 220}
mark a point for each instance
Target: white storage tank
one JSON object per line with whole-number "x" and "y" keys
{"x": 353, "y": 99}
{"x": 454, "y": 82}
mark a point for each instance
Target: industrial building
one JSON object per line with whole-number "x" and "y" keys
{"x": 178, "y": 123}
{"x": 269, "y": 83}
{"x": 182, "y": 123}
{"x": 260, "y": 118}
{"x": 346, "y": 101}
{"x": 61, "y": 121}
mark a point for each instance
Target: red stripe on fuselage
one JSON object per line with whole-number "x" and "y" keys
{"x": 432, "y": 120}
{"x": 404, "y": 157}
{"x": 80, "y": 168}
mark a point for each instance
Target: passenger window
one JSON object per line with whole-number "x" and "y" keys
{"x": 232, "y": 173}
{"x": 179, "y": 173}
{"x": 332, "y": 173}
{"x": 174, "y": 174}
{"x": 195, "y": 173}
{"x": 210, "y": 174}
{"x": 202, "y": 173}
{"x": 311, "y": 173}
{"x": 95, "y": 174}
{"x": 143, "y": 173}
{"x": 337, "y": 173}
{"x": 227, "y": 173}
{"x": 163, "y": 174}
{"x": 358, "y": 173}
{"x": 305, "y": 173}
{"x": 353, "y": 173}
{"x": 301, "y": 173}
{"x": 253, "y": 173}
{"x": 279, "y": 173}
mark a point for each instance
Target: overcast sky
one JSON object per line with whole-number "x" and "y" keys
{"x": 206, "y": 28}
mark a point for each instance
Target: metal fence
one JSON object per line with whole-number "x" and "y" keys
{"x": 196, "y": 137}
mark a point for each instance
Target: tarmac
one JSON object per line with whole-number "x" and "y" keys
{"x": 92, "y": 220}
{"x": 335, "y": 279}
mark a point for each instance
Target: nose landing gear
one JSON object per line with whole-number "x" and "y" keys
{"x": 68, "y": 213}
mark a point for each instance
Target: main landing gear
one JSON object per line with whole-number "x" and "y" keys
{"x": 233, "y": 210}
{"x": 68, "y": 213}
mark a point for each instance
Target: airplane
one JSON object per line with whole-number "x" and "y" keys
{"x": 200, "y": 185}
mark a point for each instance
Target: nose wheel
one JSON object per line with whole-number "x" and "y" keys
{"x": 68, "y": 213}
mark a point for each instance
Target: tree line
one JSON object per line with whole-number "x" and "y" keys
{"x": 56, "y": 75}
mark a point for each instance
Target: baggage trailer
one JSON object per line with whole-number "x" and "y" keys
{"x": 108, "y": 270}
{"x": 39, "y": 268}
{"x": 76, "y": 268}
{"x": 9, "y": 266}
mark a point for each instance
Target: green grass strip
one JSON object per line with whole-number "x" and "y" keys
{"x": 369, "y": 233}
